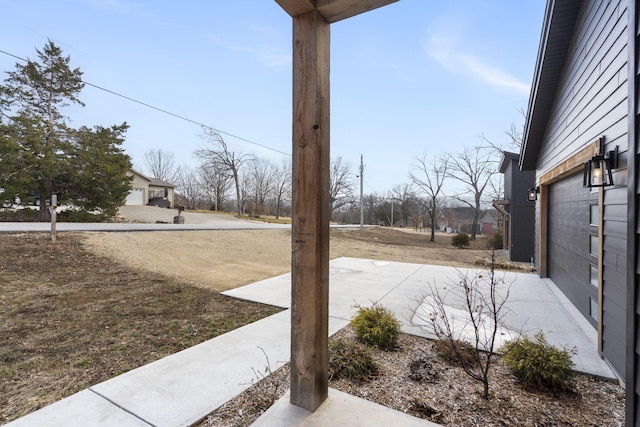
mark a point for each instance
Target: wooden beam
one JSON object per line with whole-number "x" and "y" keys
{"x": 572, "y": 165}
{"x": 310, "y": 224}
{"x": 332, "y": 10}
{"x": 336, "y": 10}
{"x": 297, "y": 7}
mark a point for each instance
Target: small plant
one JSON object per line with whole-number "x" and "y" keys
{"x": 377, "y": 327}
{"x": 350, "y": 359}
{"x": 537, "y": 362}
{"x": 456, "y": 352}
{"x": 495, "y": 241}
{"x": 461, "y": 240}
{"x": 483, "y": 302}
{"x": 268, "y": 384}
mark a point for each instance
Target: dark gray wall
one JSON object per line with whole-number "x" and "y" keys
{"x": 591, "y": 101}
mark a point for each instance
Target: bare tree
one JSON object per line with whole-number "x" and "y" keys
{"x": 474, "y": 168}
{"x": 161, "y": 165}
{"x": 483, "y": 296}
{"x": 189, "y": 187}
{"x": 341, "y": 185}
{"x": 218, "y": 154}
{"x": 216, "y": 182}
{"x": 404, "y": 196}
{"x": 282, "y": 184}
{"x": 429, "y": 176}
{"x": 262, "y": 177}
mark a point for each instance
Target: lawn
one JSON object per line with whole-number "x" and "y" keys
{"x": 71, "y": 319}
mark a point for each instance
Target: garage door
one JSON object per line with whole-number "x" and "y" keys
{"x": 135, "y": 197}
{"x": 570, "y": 243}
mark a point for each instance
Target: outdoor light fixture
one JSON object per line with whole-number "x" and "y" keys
{"x": 533, "y": 194}
{"x": 597, "y": 171}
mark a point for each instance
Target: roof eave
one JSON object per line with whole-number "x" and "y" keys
{"x": 555, "y": 40}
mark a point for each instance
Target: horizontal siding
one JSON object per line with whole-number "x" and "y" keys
{"x": 615, "y": 213}
{"x": 591, "y": 100}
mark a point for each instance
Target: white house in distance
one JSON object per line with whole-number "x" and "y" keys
{"x": 149, "y": 191}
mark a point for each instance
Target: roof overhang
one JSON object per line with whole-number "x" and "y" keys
{"x": 555, "y": 40}
{"x": 507, "y": 157}
{"x": 332, "y": 10}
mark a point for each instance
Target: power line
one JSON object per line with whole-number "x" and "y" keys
{"x": 186, "y": 119}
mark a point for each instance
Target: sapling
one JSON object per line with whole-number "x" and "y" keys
{"x": 483, "y": 305}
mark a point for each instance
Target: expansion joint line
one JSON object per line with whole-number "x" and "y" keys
{"x": 122, "y": 407}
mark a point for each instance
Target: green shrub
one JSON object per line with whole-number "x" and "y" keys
{"x": 495, "y": 241}
{"x": 19, "y": 215}
{"x": 537, "y": 362}
{"x": 79, "y": 216}
{"x": 461, "y": 240}
{"x": 350, "y": 359}
{"x": 377, "y": 327}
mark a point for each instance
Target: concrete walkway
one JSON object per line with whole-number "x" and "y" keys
{"x": 181, "y": 389}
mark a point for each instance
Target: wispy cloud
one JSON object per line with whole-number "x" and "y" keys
{"x": 270, "y": 56}
{"x": 117, "y": 6}
{"x": 443, "y": 50}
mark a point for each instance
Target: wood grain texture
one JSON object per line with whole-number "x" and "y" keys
{"x": 310, "y": 225}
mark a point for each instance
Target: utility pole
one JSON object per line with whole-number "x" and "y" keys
{"x": 361, "y": 201}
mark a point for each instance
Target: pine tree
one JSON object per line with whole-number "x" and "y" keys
{"x": 40, "y": 152}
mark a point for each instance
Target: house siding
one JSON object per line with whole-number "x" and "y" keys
{"x": 592, "y": 101}
{"x": 633, "y": 231}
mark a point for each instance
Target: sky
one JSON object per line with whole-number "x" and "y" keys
{"x": 414, "y": 78}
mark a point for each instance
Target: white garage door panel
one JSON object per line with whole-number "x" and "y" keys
{"x": 135, "y": 197}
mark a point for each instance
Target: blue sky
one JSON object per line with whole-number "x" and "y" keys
{"x": 414, "y": 77}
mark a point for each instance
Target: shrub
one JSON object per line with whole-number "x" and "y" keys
{"x": 377, "y": 327}
{"x": 456, "y": 352}
{"x": 495, "y": 241}
{"x": 79, "y": 216}
{"x": 350, "y": 359}
{"x": 537, "y": 362}
{"x": 461, "y": 240}
{"x": 19, "y": 215}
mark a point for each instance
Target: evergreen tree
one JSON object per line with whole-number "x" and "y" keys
{"x": 40, "y": 153}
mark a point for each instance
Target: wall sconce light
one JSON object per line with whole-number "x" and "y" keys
{"x": 533, "y": 194}
{"x": 597, "y": 171}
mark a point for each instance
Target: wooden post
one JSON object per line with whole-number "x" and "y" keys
{"x": 54, "y": 215}
{"x": 310, "y": 223}
{"x": 310, "y": 227}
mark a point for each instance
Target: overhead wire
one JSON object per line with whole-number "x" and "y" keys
{"x": 178, "y": 116}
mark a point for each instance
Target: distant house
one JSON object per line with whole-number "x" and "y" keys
{"x": 456, "y": 220}
{"x": 517, "y": 210}
{"x": 149, "y": 191}
{"x": 489, "y": 222}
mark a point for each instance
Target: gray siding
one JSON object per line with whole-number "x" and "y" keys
{"x": 521, "y": 210}
{"x": 592, "y": 101}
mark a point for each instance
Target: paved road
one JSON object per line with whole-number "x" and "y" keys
{"x": 149, "y": 218}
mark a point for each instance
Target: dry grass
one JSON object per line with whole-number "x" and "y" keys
{"x": 70, "y": 319}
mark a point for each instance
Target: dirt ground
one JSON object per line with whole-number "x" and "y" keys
{"x": 224, "y": 259}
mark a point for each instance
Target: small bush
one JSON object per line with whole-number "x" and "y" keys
{"x": 350, "y": 359}
{"x": 461, "y": 240}
{"x": 19, "y": 215}
{"x": 495, "y": 241}
{"x": 456, "y": 352}
{"x": 377, "y": 327}
{"x": 79, "y": 216}
{"x": 537, "y": 362}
